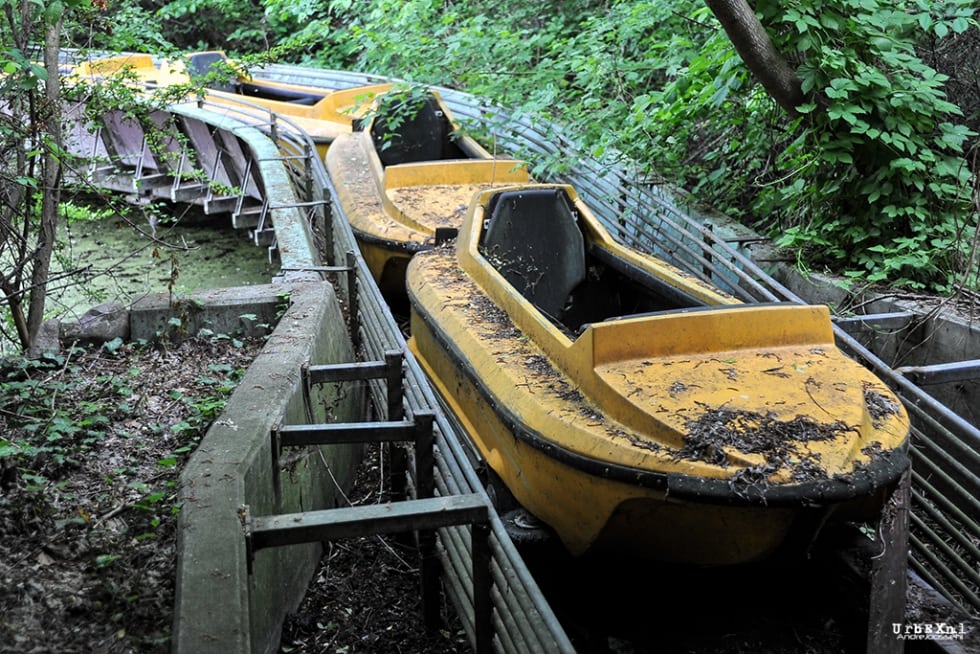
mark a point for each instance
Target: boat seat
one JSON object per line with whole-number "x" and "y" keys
{"x": 201, "y": 64}
{"x": 533, "y": 239}
{"x": 403, "y": 133}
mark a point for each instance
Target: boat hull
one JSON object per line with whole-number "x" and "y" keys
{"x": 597, "y": 507}
{"x": 633, "y": 409}
{"x": 397, "y": 189}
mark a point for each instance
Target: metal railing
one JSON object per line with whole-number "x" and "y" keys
{"x": 522, "y": 618}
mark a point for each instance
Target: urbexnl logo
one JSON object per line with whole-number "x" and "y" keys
{"x": 929, "y": 631}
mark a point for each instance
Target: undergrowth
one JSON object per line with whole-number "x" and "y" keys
{"x": 92, "y": 443}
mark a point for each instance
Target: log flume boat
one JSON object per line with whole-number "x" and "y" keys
{"x": 405, "y": 172}
{"x": 323, "y": 114}
{"x": 632, "y": 408}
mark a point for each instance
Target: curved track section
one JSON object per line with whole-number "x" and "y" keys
{"x": 646, "y": 215}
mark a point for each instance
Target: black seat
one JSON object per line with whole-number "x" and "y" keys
{"x": 214, "y": 69}
{"x": 410, "y": 129}
{"x": 532, "y": 237}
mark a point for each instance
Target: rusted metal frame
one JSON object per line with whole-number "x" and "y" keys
{"x": 420, "y": 431}
{"x": 424, "y": 515}
{"x": 356, "y": 370}
{"x": 365, "y": 520}
{"x": 424, "y": 440}
{"x": 344, "y": 432}
{"x": 888, "y": 577}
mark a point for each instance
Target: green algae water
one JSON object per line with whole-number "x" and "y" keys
{"x": 114, "y": 260}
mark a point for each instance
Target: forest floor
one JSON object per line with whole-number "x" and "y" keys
{"x": 91, "y": 447}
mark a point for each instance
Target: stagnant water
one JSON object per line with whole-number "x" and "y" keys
{"x": 120, "y": 260}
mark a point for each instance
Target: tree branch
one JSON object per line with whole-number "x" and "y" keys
{"x": 753, "y": 44}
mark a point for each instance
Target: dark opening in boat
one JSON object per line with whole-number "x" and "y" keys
{"x": 534, "y": 238}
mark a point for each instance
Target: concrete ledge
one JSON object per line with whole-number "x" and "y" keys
{"x": 219, "y": 607}
{"x": 938, "y": 332}
{"x": 245, "y": 310}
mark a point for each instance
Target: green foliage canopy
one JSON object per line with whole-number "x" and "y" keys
{"x": 871, "y": 179}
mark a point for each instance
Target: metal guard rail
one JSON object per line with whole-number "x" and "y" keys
{"x": 523, "y": 620}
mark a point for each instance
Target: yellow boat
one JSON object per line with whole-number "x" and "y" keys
{"x": 634, "y": 409}
{"x": 406, "y": 172}
{"x": 322, "y": 113}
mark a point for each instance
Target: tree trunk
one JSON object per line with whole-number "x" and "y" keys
{"x": 51, "y": 176}
{"x": 758, "y": 52}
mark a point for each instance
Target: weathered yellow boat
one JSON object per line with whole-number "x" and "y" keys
{"x": 406, "y": 172}
{"x": 635, "y": 409}
{"x": 322, "y": 113}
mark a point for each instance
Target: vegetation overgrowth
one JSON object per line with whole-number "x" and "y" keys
{"x": 92, "y": 443}
{"x": 873, "y": 176}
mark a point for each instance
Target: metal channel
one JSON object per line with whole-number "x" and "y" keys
{"x": 523, "y": 620}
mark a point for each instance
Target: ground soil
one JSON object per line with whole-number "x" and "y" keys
{"x": 87, "y": 527}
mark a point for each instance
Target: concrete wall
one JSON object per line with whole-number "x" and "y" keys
{"x": 219, "y": 607}
{"x": 940, "y": 332}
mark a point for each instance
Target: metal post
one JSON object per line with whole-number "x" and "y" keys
{"x": 482, "y": 581}
{"x": 424, "y": 488}
{"x": 889, "y": 571}
{"x": 352, "y": 301}
{"x": 276, "y": 449}
{"x": 397, "y": 458}
{"x": 393, "y": 378}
